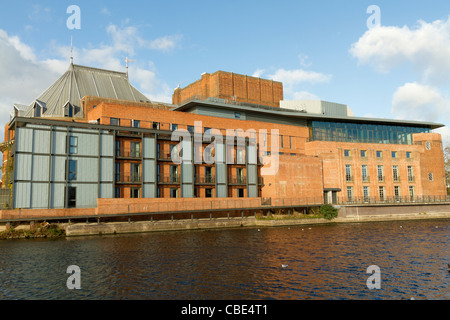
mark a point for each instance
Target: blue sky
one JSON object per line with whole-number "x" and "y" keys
{"x": 318, "y": 49}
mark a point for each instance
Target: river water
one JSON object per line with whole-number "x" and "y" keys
{"x": 323, "y": 262}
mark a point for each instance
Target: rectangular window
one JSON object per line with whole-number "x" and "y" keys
{"x": 410, "y": 174}
{"x": 379, "y": 154}
{"x": 208, "y": 193}
{"x": 117, "y": 148}
{"x": 365, "y": 176}
{"x": 430, "y": 176}
{"x": 174, "y": 192}
{"x": 73, "y": 145}
{"x": 394, "y": 154}
{"x": 135, "y": 172}
{"x": 281, "y": 142}
{"x": 349, "y": 193}
{"x": 366, "y": 193}
{"x": 240, "y": 156}
{"x": 380, "y": 173}
{"x": 428, "y": 145}
{"x": 208, "y": 175}
{"x": 240, "y": 175}
{"x": 237, "y": 115}
{"x": 397, "y": 192}
{"x": 173, "y": 127}
{"x": 363, "y": 154}
{"x": 114, "y": 121}
{"x": 411, "y": 193}
{"x": 134, "y": 193}
{"x": 290, "y": 142}
{"x": 173, "y": 173}
{"x": 395, "y": 173}
{"x": 408, "y": 155}
{"x": 381, "y": 193}
{"x": 116, "y": 192}
{"x": 135, "y": 149}
{"x": 190, "y": 129}
{"x": 348, "y": 173}
{"x": 240, "y": 193}
{"x": 155, "y": 125}
{"x": 347, "y": 153}
{"x": 135, "y": 123}
{"x": 72, "y": 173}
{"x": 71, "y": 197}
{"x": 117, "y": 173}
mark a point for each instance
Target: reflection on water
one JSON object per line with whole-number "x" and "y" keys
{"x": 324, "y": 262}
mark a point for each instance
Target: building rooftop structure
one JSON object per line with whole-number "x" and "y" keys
{"x": 292, "y": 115}
{"x": 63, "y": 97}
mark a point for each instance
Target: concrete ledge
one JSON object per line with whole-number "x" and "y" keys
{"x": 83, "y": 229}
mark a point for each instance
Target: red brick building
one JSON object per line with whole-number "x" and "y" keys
{"x": 118, "y": 144}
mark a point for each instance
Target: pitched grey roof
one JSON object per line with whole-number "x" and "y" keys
{"x": 78, "y": 82}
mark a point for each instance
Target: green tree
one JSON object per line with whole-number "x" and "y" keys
{"x": 328, "y": 211}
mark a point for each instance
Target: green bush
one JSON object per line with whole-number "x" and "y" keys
{"x": 328, "y": 211}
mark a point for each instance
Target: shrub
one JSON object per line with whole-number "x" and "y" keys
{"x": 328, "y": 211}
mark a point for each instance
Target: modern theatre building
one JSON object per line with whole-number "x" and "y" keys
{"x": 92, "y": 135}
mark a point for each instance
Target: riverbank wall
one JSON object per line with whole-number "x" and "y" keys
{"x": 83, "y": 229}
{"x": 346, "y": 214}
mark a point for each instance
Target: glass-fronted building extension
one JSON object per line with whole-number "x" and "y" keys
{"x": 363, "y": 132}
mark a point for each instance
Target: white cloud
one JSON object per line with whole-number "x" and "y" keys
{"x": 105, "y": 12}
{"x": 426, "y": 47}
{"x": 258, "y": 73}
{"x": 293, "y": 79}
{"x": 166, "y": 43}
{"x": 304, "y": 95}
{"x": 420, "y": 102}
{"x": 297, "y": 76}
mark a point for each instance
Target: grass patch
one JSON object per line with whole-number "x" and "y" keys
{"x": 324, "y": 212}
{"x": 282, "y": 214}
{"x": 42, "y": 230}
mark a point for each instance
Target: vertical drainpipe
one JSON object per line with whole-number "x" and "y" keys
{"x": 50, "y": 168}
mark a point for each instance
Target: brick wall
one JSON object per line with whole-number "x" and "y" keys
{"x": 297, "y": 177}
{"x": 233, "y": 87}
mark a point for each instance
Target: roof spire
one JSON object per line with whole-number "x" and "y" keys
{"x": 126, "y": 61}
{"x": 71, "y": 51}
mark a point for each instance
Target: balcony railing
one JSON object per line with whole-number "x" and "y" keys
{"x": 128, "y": 154}
{"x": 209, "y": 179}
{"x": 167, "y": 156}
{"x": 239, "y": 180}
{"x": 169, "y": 179}
{"x": 127, "y": 178}
{"x": 392, "y": 200}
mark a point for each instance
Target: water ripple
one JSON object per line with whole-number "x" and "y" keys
{"x": 324, "y": 262}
